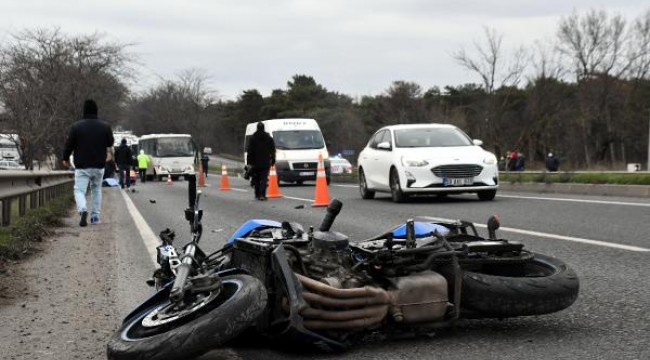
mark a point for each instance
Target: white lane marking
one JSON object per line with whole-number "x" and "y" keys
{"x": 149, "y": 238}
{"x": 552, "y": 236}
{"x": 577, "y": 200}
{"x": 297, "y": 198}
{"x": 605, "y": 202}
{"x": 240, "y": 190}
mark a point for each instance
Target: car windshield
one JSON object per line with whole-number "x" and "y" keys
{"x": 174, "y": 147}
{"x": 431, "y": 137}
{"x": 298, "y": 139}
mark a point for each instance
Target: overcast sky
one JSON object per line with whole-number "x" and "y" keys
{"x": 356, "y": 47}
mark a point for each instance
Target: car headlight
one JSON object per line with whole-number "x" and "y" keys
{"x": 414, "y": 162}
{"x": 490, "y": 160}
{"x": 189, "y": 168}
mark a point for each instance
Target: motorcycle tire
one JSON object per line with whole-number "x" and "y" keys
{"x": 542, "y": 285}
{"x": 237, "y": 307}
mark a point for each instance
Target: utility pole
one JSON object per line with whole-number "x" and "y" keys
{"x": 648, "y": 168}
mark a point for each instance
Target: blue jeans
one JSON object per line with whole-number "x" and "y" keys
{"x": 83, "y": 178}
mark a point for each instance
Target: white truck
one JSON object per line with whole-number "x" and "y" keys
{"x": 298, "y": 142}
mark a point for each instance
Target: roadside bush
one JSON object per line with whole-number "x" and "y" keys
{"x": 17, "y": 239}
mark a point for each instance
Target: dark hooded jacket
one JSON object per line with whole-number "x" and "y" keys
{"x": 88, "y": 140}
{"x": 123, "y": 155}
{"x": 261, "y": 150}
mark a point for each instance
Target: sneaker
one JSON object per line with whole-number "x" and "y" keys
{"x": 84, "y": 217}
{"x": 94, "y": 220}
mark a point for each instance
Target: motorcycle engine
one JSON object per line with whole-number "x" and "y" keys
{"x": 328, "y": 260}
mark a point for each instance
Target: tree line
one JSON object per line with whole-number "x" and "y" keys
{"x": 584, "y": 96}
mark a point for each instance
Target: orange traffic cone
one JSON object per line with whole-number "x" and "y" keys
{"x": 274, "y": 189}
{"x": 169, "y": 180}
{"x": 321, "y": 197}
{"x": 225, "y": 184}
{"x": 201, "y": 177}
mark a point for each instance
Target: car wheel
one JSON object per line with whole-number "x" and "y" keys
{"x": 487, "y": 195}
{"x": 363, "y": 187}
{"x": 395, "y": 187}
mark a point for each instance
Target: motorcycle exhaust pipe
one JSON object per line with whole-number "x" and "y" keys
{"x": 363, "y": 292}
{"x": 366, "y": 323}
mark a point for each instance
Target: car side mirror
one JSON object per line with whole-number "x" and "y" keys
{"x": 477, "y": 142}
{"x": 384, "y": 145}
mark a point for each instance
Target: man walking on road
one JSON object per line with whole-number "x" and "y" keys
{"x": 260, "y": 157}
{"x": 205, "y": 159}
{"x": 88, "y": 140}
{"x": 143, "y": 163}
{"x": 124, "y": 160}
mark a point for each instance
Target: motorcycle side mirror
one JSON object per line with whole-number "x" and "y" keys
{"x": 493, "y": 224}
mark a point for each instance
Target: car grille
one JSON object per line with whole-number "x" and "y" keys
{"x": 305, "y": 165}
{"x": 457, "y": 171}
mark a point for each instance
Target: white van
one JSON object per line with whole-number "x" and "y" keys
{"x": 170, "y": 154}
{"x": 298, "y": 142}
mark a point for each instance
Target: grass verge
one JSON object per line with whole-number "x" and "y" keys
{"x": 577, "y": 178}
{"x": 17, "y": 239}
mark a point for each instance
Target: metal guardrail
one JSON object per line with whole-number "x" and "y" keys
{"x": 31, "y": 189}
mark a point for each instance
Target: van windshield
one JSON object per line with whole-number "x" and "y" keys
{"x": 298, "y": 139}
{"x": 174, "y": 147}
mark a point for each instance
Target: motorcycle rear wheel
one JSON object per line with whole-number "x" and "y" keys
{"x": 542, "y": 285}
{"x": 209, "y": 323}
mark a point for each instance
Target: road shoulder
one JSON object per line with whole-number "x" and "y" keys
{"x": 62, "y": 302}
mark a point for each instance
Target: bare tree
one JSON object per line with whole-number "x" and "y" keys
{"x": 498, "y": 70}
{"x": 177, "y": 106}
{"x": 44, "y": 78}
{"x": 489, "y": 62}
{"x": 603, "y": 50}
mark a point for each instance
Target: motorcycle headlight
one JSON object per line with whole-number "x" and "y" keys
{"x": 490, "y": 160}
{"x": 414, "y": 162}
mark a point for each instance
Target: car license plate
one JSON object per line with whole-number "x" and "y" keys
{"x": 458, "y": 181}
{"x": 306, "y": 173}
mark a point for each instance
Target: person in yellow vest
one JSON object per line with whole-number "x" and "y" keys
{"x": 143, "y": 163}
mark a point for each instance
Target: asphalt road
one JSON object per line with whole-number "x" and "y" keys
{"x": 610, "y": 320}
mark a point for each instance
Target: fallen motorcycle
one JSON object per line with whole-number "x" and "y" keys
{"x": 315, "y": 288}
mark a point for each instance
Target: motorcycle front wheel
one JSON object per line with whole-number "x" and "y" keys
{"x": 539, "y": 286}
{"x": 166, "y": 332}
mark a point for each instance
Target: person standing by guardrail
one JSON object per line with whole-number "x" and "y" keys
{"x": 88, "y": 140}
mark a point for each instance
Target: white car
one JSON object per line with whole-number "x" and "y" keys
{"x": 426, "y": 159}
{"x": 10, "y": 165}
{"x": 339, "y": 165}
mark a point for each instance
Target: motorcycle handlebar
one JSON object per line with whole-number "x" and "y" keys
{"x": 333, "y": 210}
{"x": 191, "y": 190}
